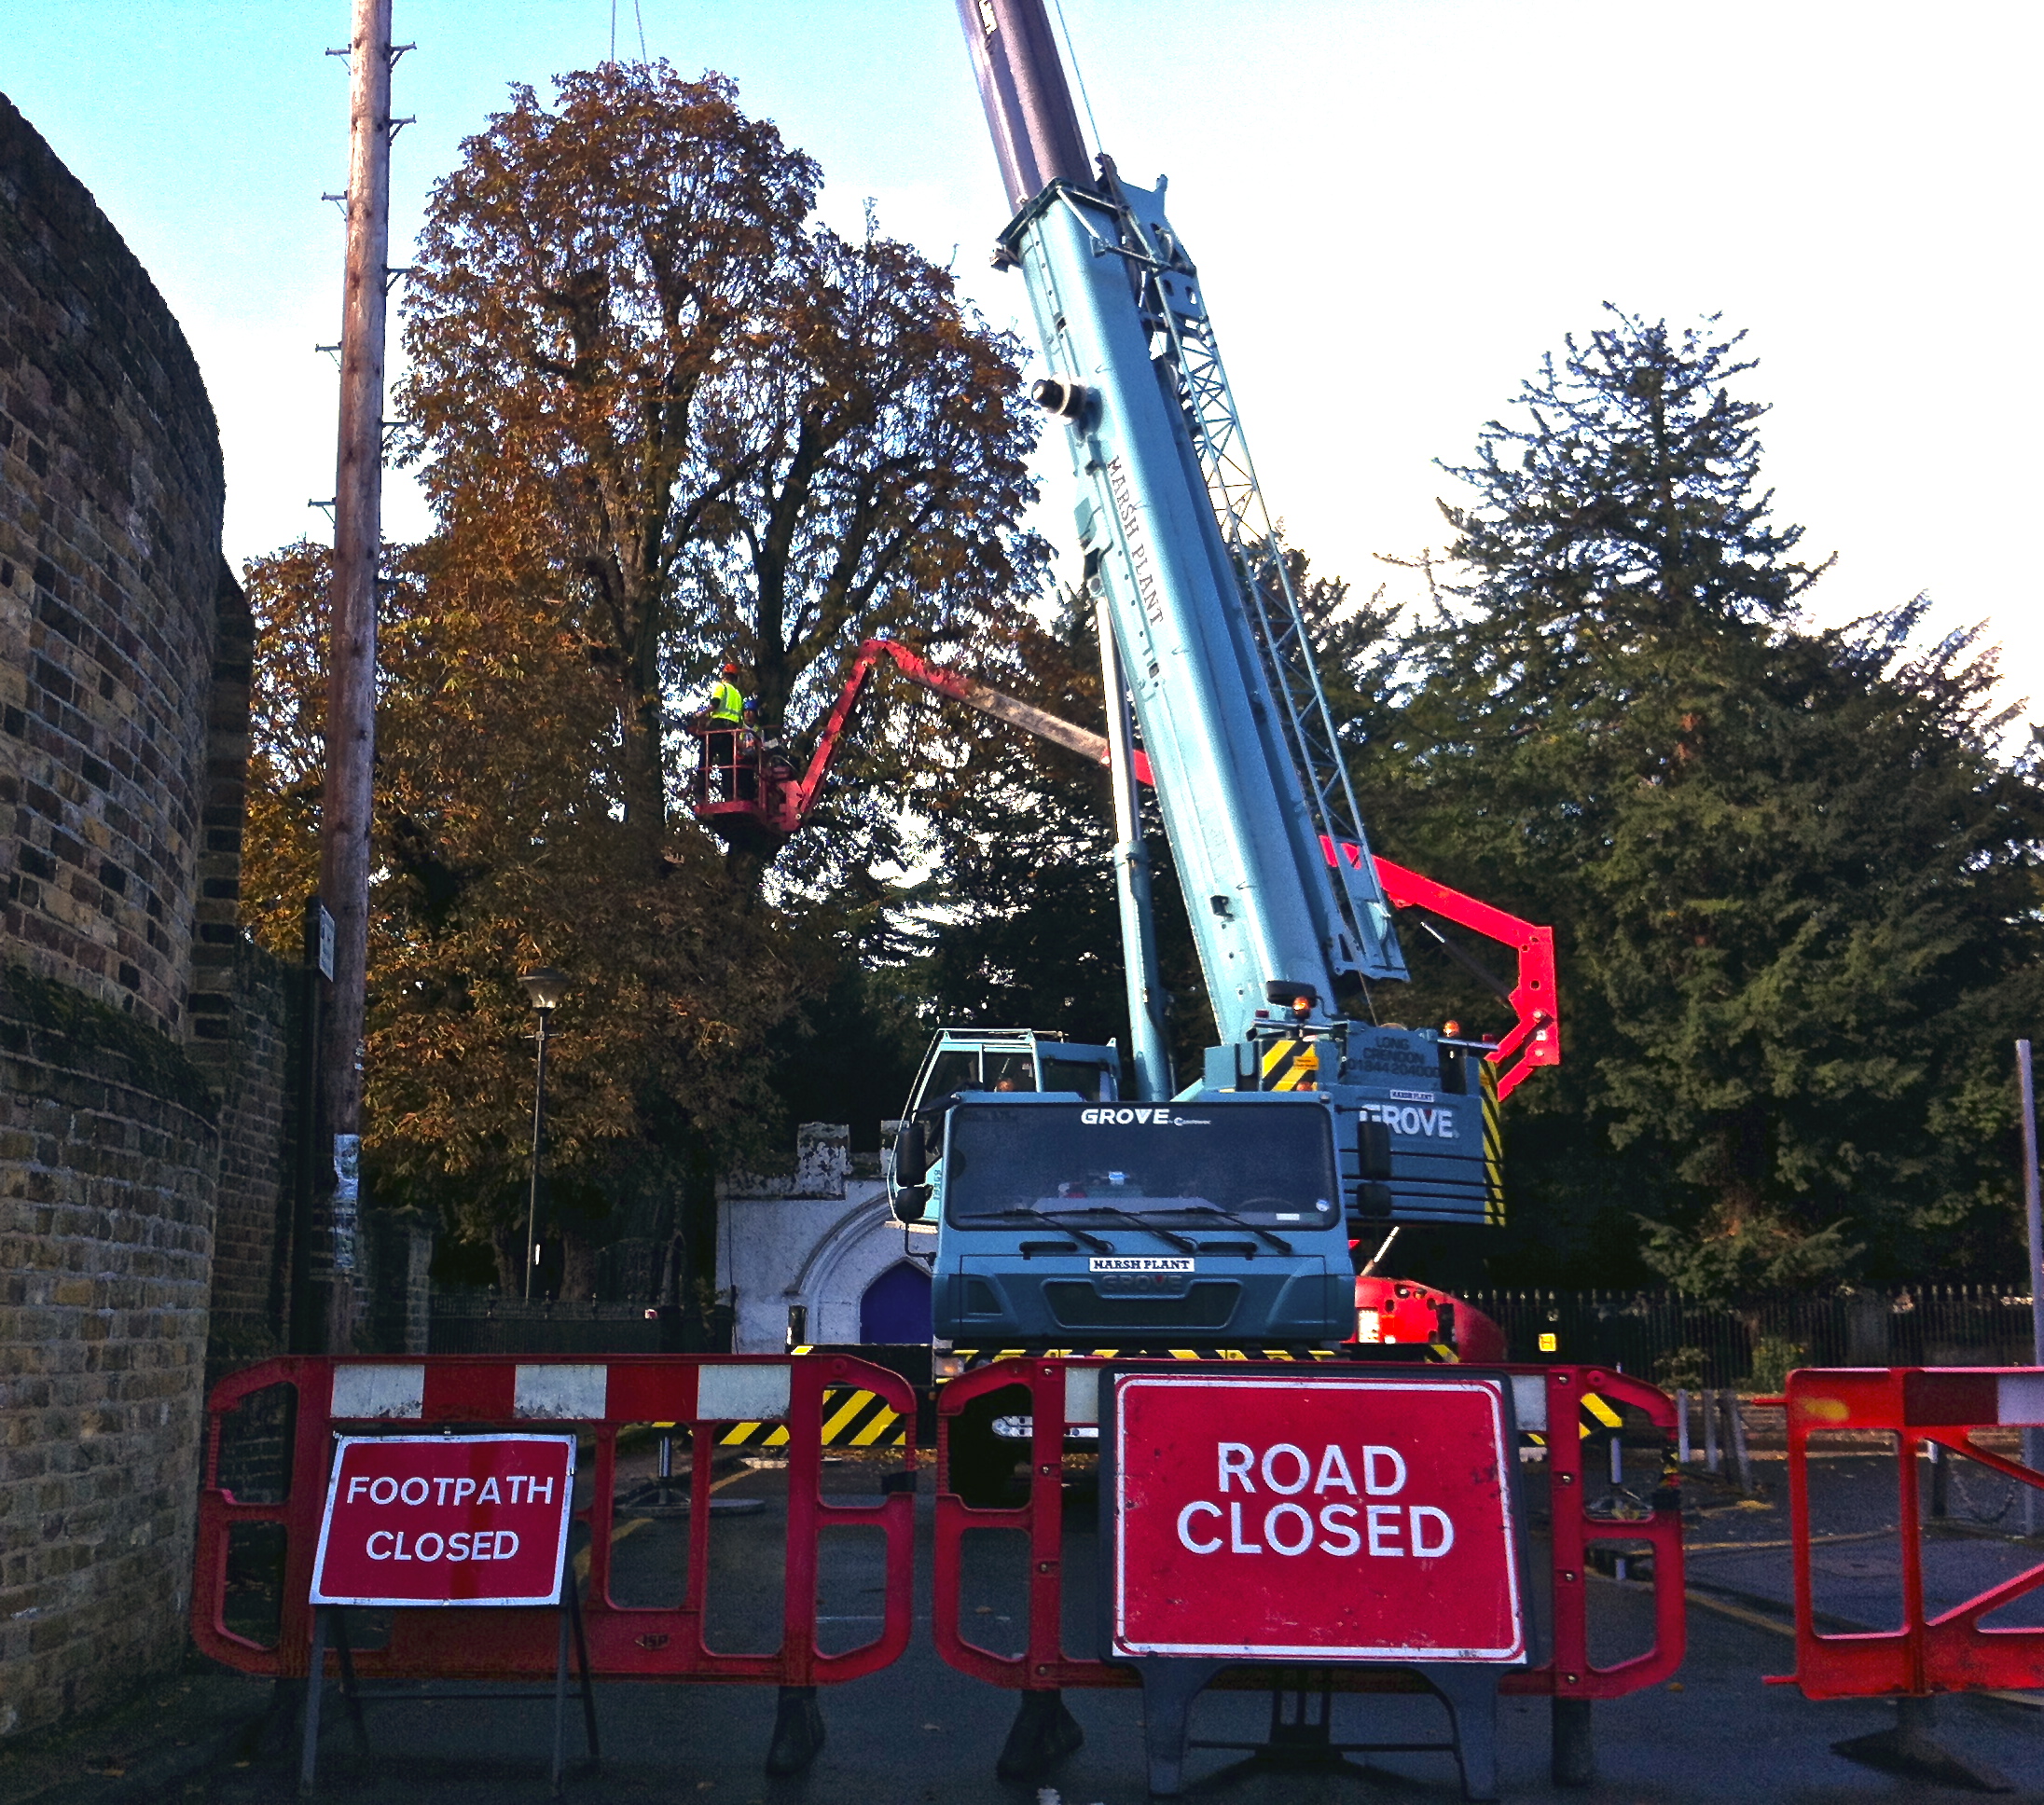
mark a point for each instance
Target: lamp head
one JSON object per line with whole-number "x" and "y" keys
{"x": 545, "y": 987}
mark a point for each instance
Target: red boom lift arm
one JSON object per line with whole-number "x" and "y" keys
{"x": 760, "y": 798}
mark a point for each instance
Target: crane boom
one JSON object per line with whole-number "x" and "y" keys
{"x": 1171, "y": 523}
{"x": 1288, "y": 909}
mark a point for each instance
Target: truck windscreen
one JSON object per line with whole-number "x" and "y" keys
{"x": 1262, "y": 1162}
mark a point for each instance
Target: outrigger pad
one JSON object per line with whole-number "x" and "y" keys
{"x": 798, "y": 1731}
{"x": 1042, "y": 1734}
{"x": 1911, "y": 1750}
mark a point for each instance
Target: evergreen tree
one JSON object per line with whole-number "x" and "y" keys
{"x": 1793, "y": 883}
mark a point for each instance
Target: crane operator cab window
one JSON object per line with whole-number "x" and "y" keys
{"x": 1074, "y": 1075}
{"x": 1006, "y": 1070}
{"x": 1272, "y": 1165}
{"x": 997, "y": 1065}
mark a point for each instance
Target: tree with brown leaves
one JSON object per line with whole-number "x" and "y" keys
{"x": 662, "y": 418}
{"x": 649, "y": 395}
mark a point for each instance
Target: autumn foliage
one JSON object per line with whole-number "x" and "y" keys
{"x": 664, "y": 419}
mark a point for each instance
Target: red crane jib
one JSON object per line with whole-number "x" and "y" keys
{"x": 748, "y": 791}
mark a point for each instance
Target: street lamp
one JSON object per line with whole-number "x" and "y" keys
{"x": 543, "y": 989}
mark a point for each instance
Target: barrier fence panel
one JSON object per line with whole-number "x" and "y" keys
{"x": 1919, "y": 1406}
{"x": 701, "y": 1395}
{"x": 1064, "y": 1394}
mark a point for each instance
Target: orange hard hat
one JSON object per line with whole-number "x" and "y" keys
{"x": 730, "y": 670}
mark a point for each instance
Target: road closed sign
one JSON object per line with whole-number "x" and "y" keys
{"x": 445, "y": 1520}
{"x": 1318, "y": 1516}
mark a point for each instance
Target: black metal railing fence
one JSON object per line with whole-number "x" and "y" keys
{"x": 1660, "y": 1335}
{"x": 484, "y": 1323}
{"x": 1678, "y": 1340}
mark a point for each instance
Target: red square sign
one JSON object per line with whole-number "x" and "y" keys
{"x": 1314, "y": 1516}
{"x": 445, "y": 1520}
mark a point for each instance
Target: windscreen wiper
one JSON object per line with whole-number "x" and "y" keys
{"x": 1274, "y": 1239}
{"x": 1134, "y": 1221}
{"x": 1077, "y": 1234}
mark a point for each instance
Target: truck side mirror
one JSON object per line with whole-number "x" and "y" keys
{"x": 1373, "y": 1150}
{"x": 908, "y": 1203}
{"x": 911, "y": 1154}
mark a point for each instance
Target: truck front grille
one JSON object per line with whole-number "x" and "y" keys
{"x": 1078, "y": 1306}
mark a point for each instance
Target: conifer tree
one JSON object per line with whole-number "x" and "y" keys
{"x": 1792, "y": 876}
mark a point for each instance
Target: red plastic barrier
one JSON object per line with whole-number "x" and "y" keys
{"x": 1917, "y": 1405}
{"x": 599, "y": 1394}
{"x": 1064, "y": 1392}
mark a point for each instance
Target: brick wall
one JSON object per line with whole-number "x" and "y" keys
{"x": 111, "y": 492}
{"x": 251, "y": 1059}
{"x": 108, "y": 1157}
{"x": 146, "y": 1071}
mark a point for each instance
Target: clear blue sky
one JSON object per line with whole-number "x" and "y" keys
{"x": 1398, "y": 204}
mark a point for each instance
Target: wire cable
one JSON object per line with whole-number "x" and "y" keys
{"x": 640, "y": 18}
{"x": 1078, "y": 74}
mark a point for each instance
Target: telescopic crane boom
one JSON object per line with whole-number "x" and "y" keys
{"x": 1215, "y": 648}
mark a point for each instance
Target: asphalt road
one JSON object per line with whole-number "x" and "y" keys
{"x": 918, "y": 1731}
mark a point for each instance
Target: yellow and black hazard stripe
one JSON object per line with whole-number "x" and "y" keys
{"x": 852, "y": 1418}
{"x": 1289, "y": 1065}
{"x": 1494, "y": 1150}
{"x": 1594, "y": 1414}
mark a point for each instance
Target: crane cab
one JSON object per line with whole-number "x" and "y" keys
{"x": 1014, "y": 1059}
{"x": 1004, "y": 1061}
{"x": 1212, "y": 1217}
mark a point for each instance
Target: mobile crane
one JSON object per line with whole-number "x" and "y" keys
{"x": 1311, "y": 1130}
{"x": 1225, "y": 1211}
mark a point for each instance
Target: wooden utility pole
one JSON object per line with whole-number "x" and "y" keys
{"x": 351, "y": 659}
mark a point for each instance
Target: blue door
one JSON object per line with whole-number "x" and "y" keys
{"x": 896, "y": 1305}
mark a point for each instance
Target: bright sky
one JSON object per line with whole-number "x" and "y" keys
{"x": 1398, "y": 205}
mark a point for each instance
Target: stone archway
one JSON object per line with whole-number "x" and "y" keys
{"x": 818, "y": 1255}
{"x": 861, "y": 1246}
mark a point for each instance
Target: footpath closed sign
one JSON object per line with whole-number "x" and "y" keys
{"x": 1314, "y": 1516}
{"x": 445, "y": 1520}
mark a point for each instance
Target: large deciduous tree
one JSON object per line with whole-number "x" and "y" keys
{"x": 1792, "y": 877}
{"x": 497, "y": 848}
{"x": 663, "y": 418}
{"x": 713, "y": 427}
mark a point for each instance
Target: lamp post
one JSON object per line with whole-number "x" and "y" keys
{"x": 543, "y": 989}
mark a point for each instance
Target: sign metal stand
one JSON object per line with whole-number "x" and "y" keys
{"x": 330, "y": 1623}
{"x": 495, "y": 1509}
{"x": 1317, "y": 1453}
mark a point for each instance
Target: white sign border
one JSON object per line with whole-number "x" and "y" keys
{"x": 1491, "y": 1389}
{"x": 343, "y": 1442}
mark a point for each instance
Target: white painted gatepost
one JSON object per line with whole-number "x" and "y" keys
{"x": 817, "y": 1253}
